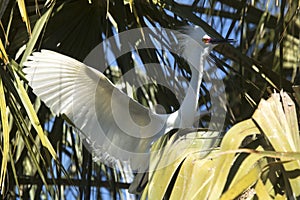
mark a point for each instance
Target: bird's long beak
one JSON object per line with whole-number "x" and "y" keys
{"x": 220, "y": 41}
{"x": 208, "y": 40}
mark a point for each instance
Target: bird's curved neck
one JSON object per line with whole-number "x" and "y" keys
{"x": 188, "y": 108}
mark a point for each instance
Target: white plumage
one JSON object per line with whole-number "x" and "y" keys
{"x": 112, "y": 125}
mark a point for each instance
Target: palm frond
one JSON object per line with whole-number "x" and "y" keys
{"x": 264, "y": 58}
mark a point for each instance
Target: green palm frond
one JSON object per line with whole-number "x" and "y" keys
{"x": 264, "y": 58}
{"x": 257, "y": 157}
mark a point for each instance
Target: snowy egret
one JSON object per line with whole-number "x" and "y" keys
{"x": 113, "y": 126}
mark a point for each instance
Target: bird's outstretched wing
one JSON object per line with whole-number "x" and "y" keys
{"x": 112, "y": 125}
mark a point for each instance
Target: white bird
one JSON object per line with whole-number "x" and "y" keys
{"x": 113, "y": 126}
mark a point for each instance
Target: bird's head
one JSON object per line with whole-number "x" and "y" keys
{"x": 195, "y": 42}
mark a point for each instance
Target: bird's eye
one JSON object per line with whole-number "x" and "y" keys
{"x": 206, "y": 39}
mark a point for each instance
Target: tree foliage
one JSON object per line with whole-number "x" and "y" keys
{"x": 42, "y": 157}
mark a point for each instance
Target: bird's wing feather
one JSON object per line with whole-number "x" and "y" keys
{"x": 113, "y": 126}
